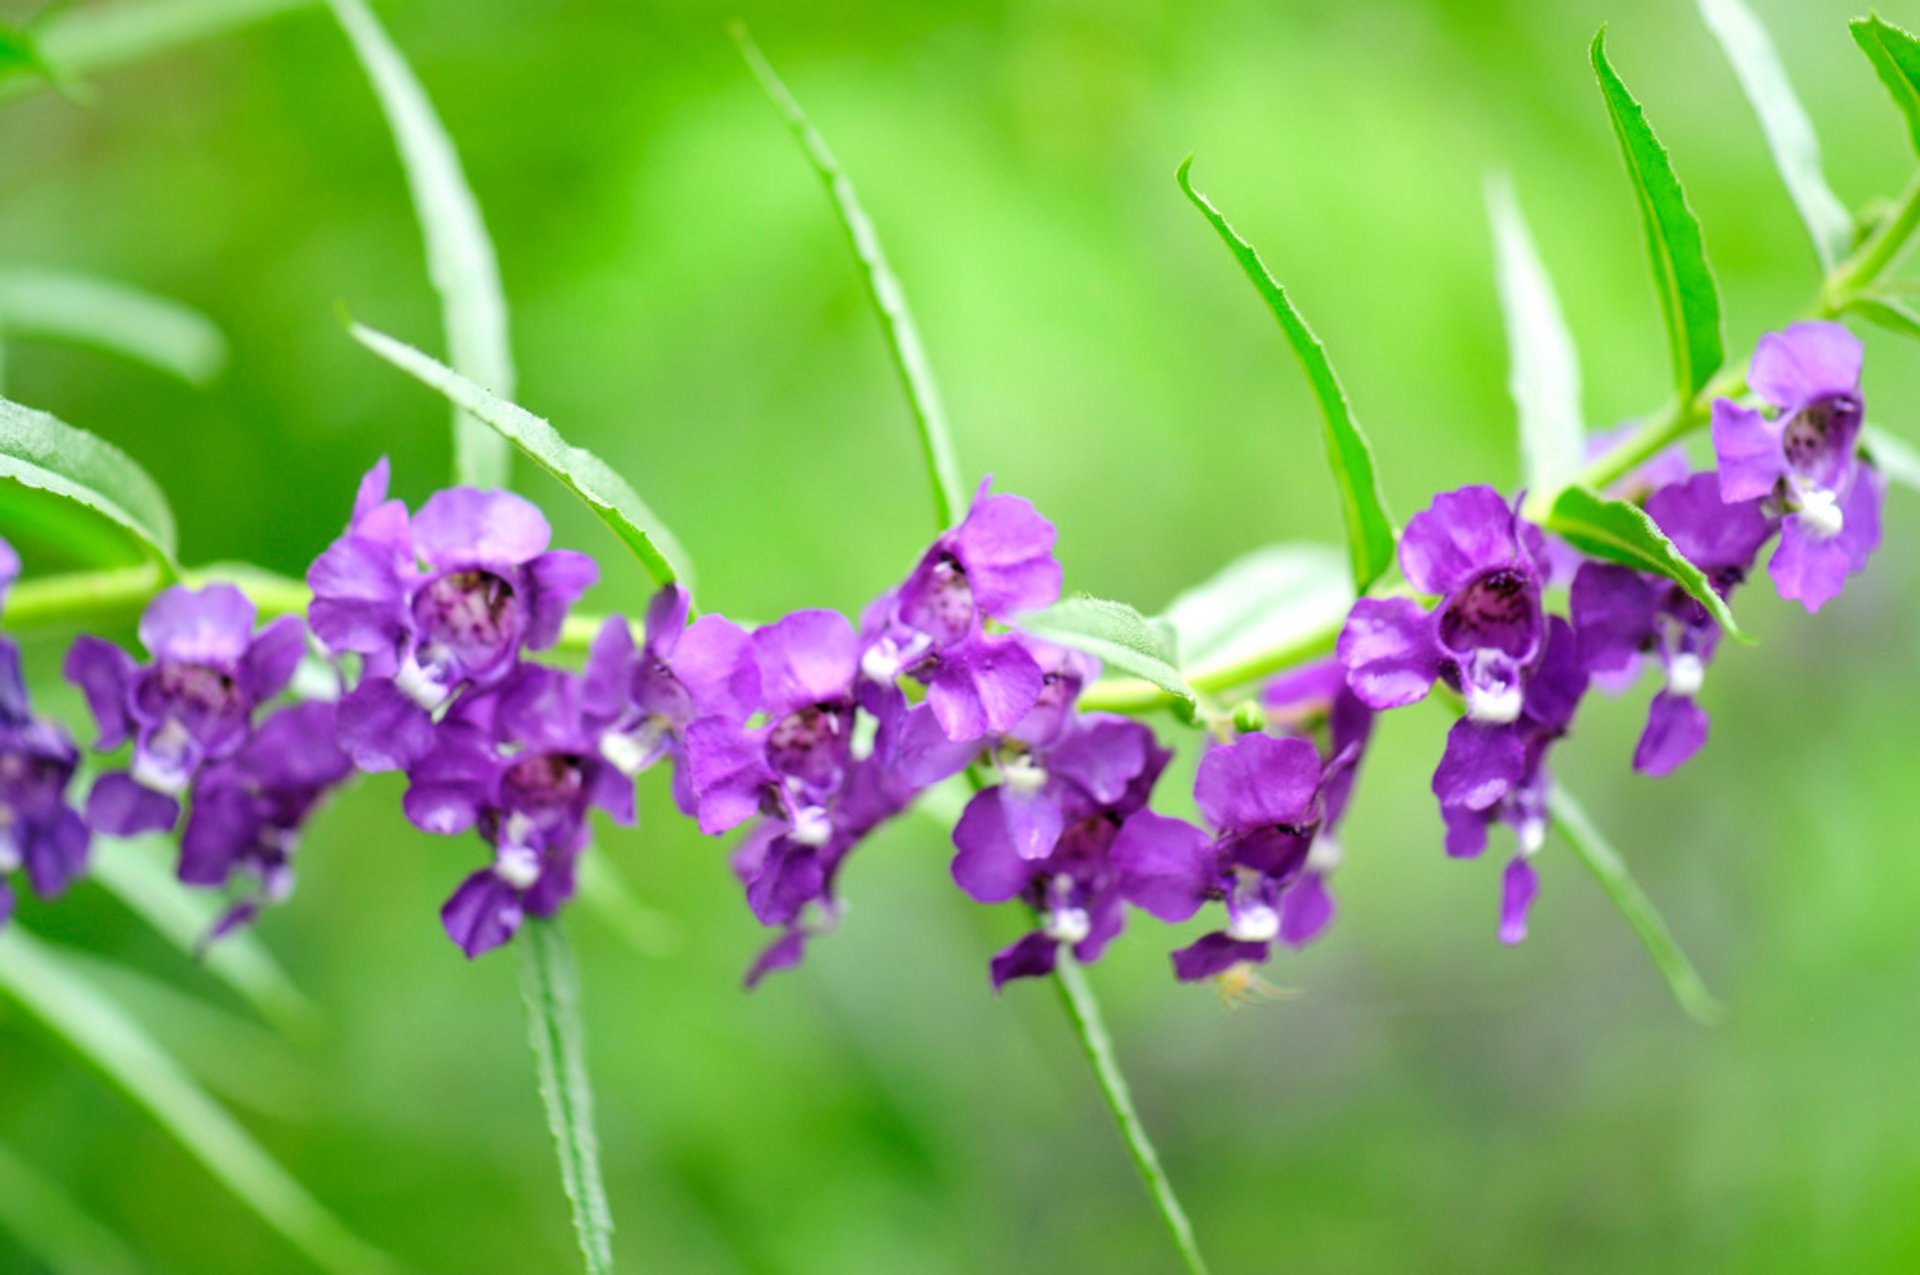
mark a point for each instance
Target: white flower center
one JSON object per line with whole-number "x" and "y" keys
{"x": 811, "y": 827}
{"x": 517, "y": 865}
{"x": 1067, "y": 925}
{"x": 1820, "y": 515}
{"x": 1324, "y": 855}
{"x": 1496, "y": 707}
{"x": 1256, "y": 924}
{"x": 161, "y": 765}
{"x": 421, "y": 684}
{"x": 629, "y": 751}
{"x": 1023, "y": 774}
{"x": 1685, "y": 672}
{"x": 1532, "y": 834}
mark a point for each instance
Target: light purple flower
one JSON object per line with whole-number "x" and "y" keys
{"x": 193, "y": 704}
{"x": 1618, "y": 613}
{"x": 1316, "y": 704}
{"x": 39, "y": 829}
{"x": 435, "y": 605}
{"x": 1802, "y": 462}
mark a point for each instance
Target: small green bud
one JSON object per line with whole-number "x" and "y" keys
{"x": 1249, "y": 717}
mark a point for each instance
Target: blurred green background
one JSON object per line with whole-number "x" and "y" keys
{"x": 683, "y": 304}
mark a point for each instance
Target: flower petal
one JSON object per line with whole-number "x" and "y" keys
{"x": 1258, "y": 781}
{"x": 1031, "y": 957}
{"x": 1747, "y": 447}
{"x": 1216, "y": 954}
{"x": 1166, "y": 866}
{"x": 1518, "y": 886}
{"x": 120, "y": 807}
{"x": 462, "y": 526}
{"x": 482, "y": 914}
{"x": 1676, "y": 728}
{"x": 1389, "y": 652}
{"x": 1480, "y": 766}
{"x": 1462, "y": 534}
{"x": 211, "y": 626}
{"x": 1807, "y": 362}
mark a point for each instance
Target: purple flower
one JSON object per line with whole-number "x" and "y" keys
{"x": 1618, "y": 613}
{"x": 996, "y": 563}
{"x": 249, "y": 809}
{"x": 434, "y": 606}
{"x": 1044, "y": 833}
{"x": 1263, "y": 797}
{"x": 1802, "y": 462}
{"x": 1487, "y": 634}
{"x": 39, "y": 830}
{"x": 1316, "y": 702}
{"x": 521, "y": 764}
{"x": 192, "y": 705}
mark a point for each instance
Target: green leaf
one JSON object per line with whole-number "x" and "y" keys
{"x": 1610, "y": 869}
{"x": 460, "y": 257}
{"x": 41, "y": 453}
{"x": 1689, "y": 299}
{"x": 1544, "y": 371}
{"x": 1895, "y": 56}
{"x": 1621, "y": 531}
{"x": 1887, "y": 312}
{"x": 1370, "y": 530}
{"x": 1894, "y": 457}
{"x": 43, "y": 982}
{"x": 550, "y": 986}
{"x": 1790, "y": 135}
{"x": 1118, "y": 635}
{"x": 110, "y": 316}
{"x": 1264, "y": 600}
{"x": 47, "y": 1222}
{"x": 604, "y": 890}
{"x": 581, "y": 472}
{"x": 78, "y": 42}
{"x": 883, "y": 289}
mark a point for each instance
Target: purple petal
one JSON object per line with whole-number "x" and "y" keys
{"x": 462, "y": 526}
{"x": 1807, "y": 362}
{"x": 55, "y": 852}
{"x": 782, "y": 954}
{"x": 714, "y": 661}
{"x": 104, "y": 673}
{"x": 1466, "y": 831}
{"x": 728, "y": 767}
{"x": 9, "y": 567}
{"x": 1613, "y": 615}
{"x": 1518, "y": 885}
{"x": 1305, "y": 910}
{"x": 1007, "y": 549}
{"x": 1216, "y": 954}
{"x": 1860, "y": 511}
{"x": 1554, "y": 690}
{"x": 805, "y": 658}
{"x": 558, "y": 579}
{"x": 222, "y": 825}
{"x": 989, "y": 865}
{"x": 1102, "y": 754}
{"x": 556, "y": 883}
{"x": 608, "y": 672}
{"x": 8, "y": 902}
{"x": 120, "y": 807}
{"x": 790, "y": 877}
{"x": 1676, "y": 728}
{"x": 1747, "y": 447}
{"x": 984, "y": 684}
{"x": 272, "y": 658}
{"x": 1258, "y": 781}
{"x": 1165, "y": 866}
{"x": 666, "y": 618}
{"x": 1711, "y": 533}
{"x": 359, "y": 598}
{"x": 381, "y": 729}
{"x": 1389, "y": 652}
{"x": 1462, "y": 534}
{"x": 1808, "y": 569}
{"x": 1481, "y": 765}
{"x": 212, "y": 626}
{"x": 482, "y": 914}
{"x": 1031, "y": 957}
{"x": 373, "y": 489}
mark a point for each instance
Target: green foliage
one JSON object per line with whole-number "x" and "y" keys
{"x": 1370, "y": 531}
{"x": 1689, "y": 298}
{"x": 51, "y": 1224}
{"x": 1891, "y": 313}
{"x": 1894, "y": 457}
{"x": 550, "y": 986}
{"x": 1789, "y": 131}
{"x": 1118, "y": 635}
{"x": 1895, "y": 56}
{"x": 1272, "y": 598}
{"x": 460, "y": 256}
{"x": 581, "y": 472}
{"x": 1543, "y": 367}
{"x": 42, "y": 454}
{"x": 78, "y": 42}
{"x": 163, "y": 334}
{"x": 1621, "y": 531}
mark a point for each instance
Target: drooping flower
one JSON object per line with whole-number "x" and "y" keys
{"x": 521, "y": 764}
{"x": 192, "y": 705}
{"x": 1044, "y": 835}
{"x": 248, "y": 810}
{"x": 434, "y": 606}
{"x": 39, "y": 829}
{"x": 1618, "y": 613}
{"x": 1263, "y": 798}
{"x": 1316, "y": 704}
{"x": 1802, "y": 462}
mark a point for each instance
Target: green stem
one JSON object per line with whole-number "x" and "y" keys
{"x": 1084, "y": 1012}
{"x": 1872, "y": 259}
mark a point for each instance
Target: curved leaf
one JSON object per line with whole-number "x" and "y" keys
{"x": 1544, "y": 372}
{"x": 111, "y": 316}
{"x": 1894, "y": 457}
{"x": 1895, "y": 56}
{"x": 1370, "y": 531}
{"x": 79, "y": 41}
{"x": 1621, "y": 531}
{"x": 41, "y": 453}
{"x": 1118, "y": 635}
{"x": 47, "y": 1222}
{"x": 581, "y": 472}
{"x": 1689, "y": 299}
{"x": 550, "y": 986}
{"x": 1262, "y": 601}
{"x": 1790, "y": 135}
{"x": 460, "y": 257}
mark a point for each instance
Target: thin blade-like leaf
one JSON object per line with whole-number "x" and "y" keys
{"x": 581, "y": 472}
{"x": 46, "y": 455}
{"x": 550, "y": 985}
{"x": 1610, "y": 869}
{"x": 1621, "y": 531}
{"x": 111, "y": 316}
{"x": 883, "y": 289}
{"x": 1895, "y": 56}
{"x": 1117, "y": 634}
{"x": 39, "y": 978}
{"x": 1894, "y": 457}
{"x": 1259, "y": 602}
{"x": 1789, "y": 132}
{"x": 1544, "y": 371}
{"x": 1689, "y": 298}
{"x": 1887, "y": 312}
{"x": 460, "y": 257}
{"x": 82, "y": 40}
{"x": 48, "y": 1223}
{"x": 1370, "y": 531}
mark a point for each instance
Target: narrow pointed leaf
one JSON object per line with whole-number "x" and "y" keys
{"x": 1370, "y": 530}
{"x": 460, "y": 256}
{"x": 883, "y": 289}
{"x": 47, "y": 1222}
{"x": 1543, "y": 370}
{"x": 1894, "y": 457}
{"x": 581, "y": 472}
{"x": 1594, "y": 850}
{"x": 1889, "y": 313}
{"x": 1789, "y": 132}
{"x": 1895, "y": 56}
{"x": 83, "y": 40}
{"x": 43, "y": 454}
{"x": 550, "y": 986}
{"x": 1620, "y": 531}
{"x": 39, "y": 978}
{"x": 1689, "y": 298}
{"x": 79, "y": 310}
{"x": 1118, "y": 635}
{"x": 1264, "y": 600}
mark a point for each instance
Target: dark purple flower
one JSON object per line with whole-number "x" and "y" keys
{"x": 1044, "y": 833}
{"x": 1316, "y": 704}
{"x": 248, "y": 810}
{"x": 434, "y": 606}
{"x": 39, "y": 830}
{"x": 1802, "y": 462}
{"x": 521, "y": 764}
{"x": 1618, "y": 614}
{"x": 192, "y": 705}
{"x": 1263, "y": 797}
